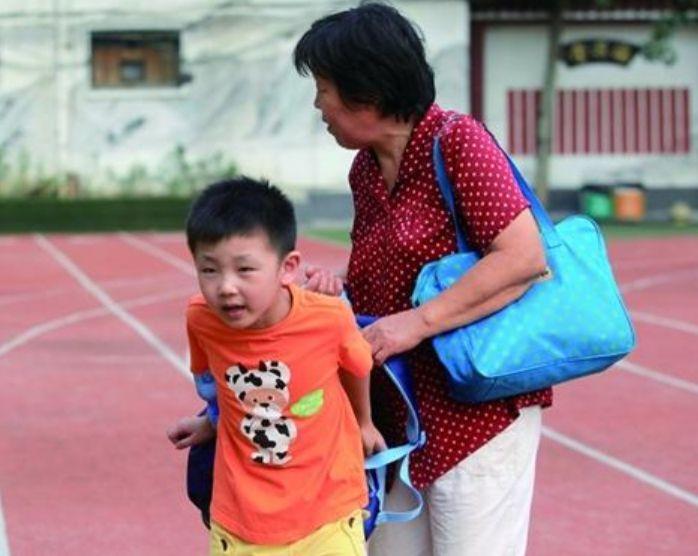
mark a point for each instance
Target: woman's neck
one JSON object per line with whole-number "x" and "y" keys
{"x": 390, "y": 147}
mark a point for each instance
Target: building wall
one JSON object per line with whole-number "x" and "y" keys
{"x": 244, "y": 99}
{"x": 514, "y": 59}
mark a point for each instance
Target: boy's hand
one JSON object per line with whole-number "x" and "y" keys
{"x": 372, "y": 439}
{"x": 190, "y": 431}
{"x": 321, "y": 280}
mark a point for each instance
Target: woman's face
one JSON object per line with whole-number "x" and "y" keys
{"x": 353, "y": 127}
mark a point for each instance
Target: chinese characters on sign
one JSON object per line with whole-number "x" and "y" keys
{"x": 597, "y": 50}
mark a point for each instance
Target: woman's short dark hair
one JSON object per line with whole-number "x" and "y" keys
{"x": 373, "y": 55}
{"x": 238, "y": 207}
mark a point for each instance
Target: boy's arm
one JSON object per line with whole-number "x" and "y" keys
{"x": 189, "y": 431}
{"x": 357, "y": 389}
{"x": 355, "y": 364}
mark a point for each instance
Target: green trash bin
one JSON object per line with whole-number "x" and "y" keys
{"x": 597, "y": 202}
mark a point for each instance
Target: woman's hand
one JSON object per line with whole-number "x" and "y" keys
{"x": 321, "y": 280}
{"x": 395, "y": 334}
{"x": 190, "y": 431}
{"x": 372, "y": 439}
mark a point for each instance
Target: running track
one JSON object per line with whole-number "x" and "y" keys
{"x": 92, "y": 370}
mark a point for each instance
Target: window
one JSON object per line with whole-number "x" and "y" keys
{"x": 130, "y": 59}
{"x": 603, "y": 121}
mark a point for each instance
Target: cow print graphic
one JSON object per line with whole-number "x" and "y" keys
{"x": 263, "y": 393}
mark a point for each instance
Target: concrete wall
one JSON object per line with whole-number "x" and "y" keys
{"x": 514, "y": 58}
{"x": 244, "y": 100}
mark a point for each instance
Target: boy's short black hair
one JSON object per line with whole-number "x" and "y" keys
{"x": 242, "y": 206}
{"x": 373, "y": 55}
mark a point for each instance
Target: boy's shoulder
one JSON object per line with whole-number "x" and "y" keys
{"x": 320, "y": 305}
{"x": 198, "y": 309}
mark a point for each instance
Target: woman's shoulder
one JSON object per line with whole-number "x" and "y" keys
{"x": 459, "y": 126}
{"x": 465, "y": 137}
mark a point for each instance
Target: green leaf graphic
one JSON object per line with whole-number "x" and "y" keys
{"x": 309, "y": 404}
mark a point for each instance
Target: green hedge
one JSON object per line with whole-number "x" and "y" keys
{"x": 92, "y": 215}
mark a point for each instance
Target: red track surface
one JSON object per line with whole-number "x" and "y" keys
{"x": 86, "y": 392}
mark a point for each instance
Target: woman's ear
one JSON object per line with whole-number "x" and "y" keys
{"x": 289, "y": 268}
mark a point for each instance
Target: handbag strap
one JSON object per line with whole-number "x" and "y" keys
{"x": 545, "y": 224}
{"x": 447, "y": 194}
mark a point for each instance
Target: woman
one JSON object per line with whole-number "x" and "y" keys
{"x": 375, "y": 91}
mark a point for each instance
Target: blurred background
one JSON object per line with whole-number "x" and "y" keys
{"x": 595, "y": 100}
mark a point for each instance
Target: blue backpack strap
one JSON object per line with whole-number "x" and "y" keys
{"x": 396, "y": 369}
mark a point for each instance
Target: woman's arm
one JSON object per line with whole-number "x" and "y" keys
{"x": 514, "y": 260}
{"x": 322, "y": 280}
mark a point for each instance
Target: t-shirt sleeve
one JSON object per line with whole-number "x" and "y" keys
{"x": 354, "y": 351}
{"x": 198, "y": 362}
{"x": 487, "y": 195}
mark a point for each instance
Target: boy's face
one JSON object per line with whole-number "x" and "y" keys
{"x": 242, "y": 279}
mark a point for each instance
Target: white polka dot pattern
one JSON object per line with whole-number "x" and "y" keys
{"x": 394, "y": 235}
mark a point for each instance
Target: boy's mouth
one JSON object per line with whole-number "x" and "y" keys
{"x": 232, "y": 310}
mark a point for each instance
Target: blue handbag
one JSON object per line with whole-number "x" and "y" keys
{"x": 570, "y": 324}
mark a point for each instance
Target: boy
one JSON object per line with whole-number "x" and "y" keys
{"x": 288, "y": 468}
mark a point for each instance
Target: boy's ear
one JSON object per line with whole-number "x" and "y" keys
{"x": 289, "y": 268}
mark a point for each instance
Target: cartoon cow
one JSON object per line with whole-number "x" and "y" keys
{"x": 263, "y": 393}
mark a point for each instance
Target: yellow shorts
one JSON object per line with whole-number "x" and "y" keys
{"x": 344, "y": 537}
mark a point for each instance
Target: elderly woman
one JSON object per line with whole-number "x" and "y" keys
{"x": 375, "y": 92}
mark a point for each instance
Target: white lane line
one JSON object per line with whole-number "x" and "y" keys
{"x": 112, "y": 284}
{"x": 142, "y": 330}
{"x": 80, "y": 316}
{"x": 657, "y": 279}
{"x": 158, "y": 253}
{"x": 668, "y": 380}
{"x": 4, "y": 545}
{"x": 674, "y": 324}
{"x": 619, "y": 465}
{"x": 649, "y": 263}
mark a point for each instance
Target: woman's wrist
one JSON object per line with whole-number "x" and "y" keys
{"x": 427, "y": 320}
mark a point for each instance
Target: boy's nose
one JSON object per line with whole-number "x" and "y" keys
{"x": 228, "y": 286}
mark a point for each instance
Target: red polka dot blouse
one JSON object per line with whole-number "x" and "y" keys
{"x": 394, "y": 234}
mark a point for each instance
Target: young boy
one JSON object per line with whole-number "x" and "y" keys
{"x": 288, "y": 470}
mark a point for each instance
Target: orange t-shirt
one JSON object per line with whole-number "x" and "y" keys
{"x": 288, "y": 455}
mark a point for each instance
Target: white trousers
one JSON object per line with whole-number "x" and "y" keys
{"x": 481, "y": 507}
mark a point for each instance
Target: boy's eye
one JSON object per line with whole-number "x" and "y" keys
{"x": 246, "y": 269}
{"x": 207, "y": 270}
